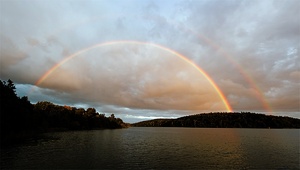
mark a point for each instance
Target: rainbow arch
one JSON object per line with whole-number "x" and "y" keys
{"x": 182, "y": 57}
{"x": 247, "y": 77}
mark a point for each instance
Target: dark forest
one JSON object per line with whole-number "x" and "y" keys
{"x": 20, "y": 119}
{"x": 225, "y": 120}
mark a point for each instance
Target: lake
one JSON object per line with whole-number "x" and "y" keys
{"x": 158, "y": 148}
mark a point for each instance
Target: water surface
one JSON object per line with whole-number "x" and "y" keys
{"x": 159, "y": 148}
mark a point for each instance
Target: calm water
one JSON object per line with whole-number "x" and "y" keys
{"x": 159, "y": 148}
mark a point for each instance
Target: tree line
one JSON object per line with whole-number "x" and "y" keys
{"x": 19, "y": 117}
{"x": 225, "y": 120}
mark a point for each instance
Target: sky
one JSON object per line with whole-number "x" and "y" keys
{"x": 151, "y": 59}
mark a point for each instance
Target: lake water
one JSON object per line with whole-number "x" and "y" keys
{"x": 158, "y": 148}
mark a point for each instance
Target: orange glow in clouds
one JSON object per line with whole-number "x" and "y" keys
{"x": 212, "y": 83}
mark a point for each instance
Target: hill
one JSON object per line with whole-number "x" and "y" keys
{"x": 225, "y": 120}
{"x": 20, "y": 119}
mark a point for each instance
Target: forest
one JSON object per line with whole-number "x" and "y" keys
{"x": 225, "y": 120}
{"x": 21, "y": 119}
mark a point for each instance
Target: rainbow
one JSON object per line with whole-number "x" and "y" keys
{"x": 247, "y": 77}
{"x": 185, "y": 59}
{"x": 258, "y": 93}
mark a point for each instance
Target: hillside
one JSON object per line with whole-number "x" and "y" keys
{"x": 225, "y": 120}
{"x": 21, "y": 119}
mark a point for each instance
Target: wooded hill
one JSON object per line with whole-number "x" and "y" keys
{"x": 225, "y": 120}
{"x": 19, "y": 118}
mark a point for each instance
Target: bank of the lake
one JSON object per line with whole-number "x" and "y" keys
{"x": 21, "y": 120}
{"x": 225, "y": 120}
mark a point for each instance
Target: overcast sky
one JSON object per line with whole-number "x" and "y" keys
{"x": 249, "y": 49}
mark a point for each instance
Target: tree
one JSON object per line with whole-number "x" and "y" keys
{"x": 112, "y": 116}
{"x": 11, "y": 85}
{"x": 18, "y": 116}
{"x": 91, "y": 112}
{"x": 16, "y": 113}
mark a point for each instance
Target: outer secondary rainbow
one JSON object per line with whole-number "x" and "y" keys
{"x": 217, "y": 89}
{"x": 259, "y": 95}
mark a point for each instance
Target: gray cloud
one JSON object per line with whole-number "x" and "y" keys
{"x": 236, "y": 42}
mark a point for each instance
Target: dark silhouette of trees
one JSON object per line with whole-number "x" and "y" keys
{"x": 65, "y": 117}
{"x": 225, "y": 120}
{"x": 16, "y": 113}
{"x": 20, "y": 118}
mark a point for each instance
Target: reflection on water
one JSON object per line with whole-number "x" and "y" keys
{"x": 159, "y": 148}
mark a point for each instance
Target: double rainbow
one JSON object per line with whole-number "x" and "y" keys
{"x": 182, "y": 57}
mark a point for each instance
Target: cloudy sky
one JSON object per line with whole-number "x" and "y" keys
{"x": 143, "y": 59}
